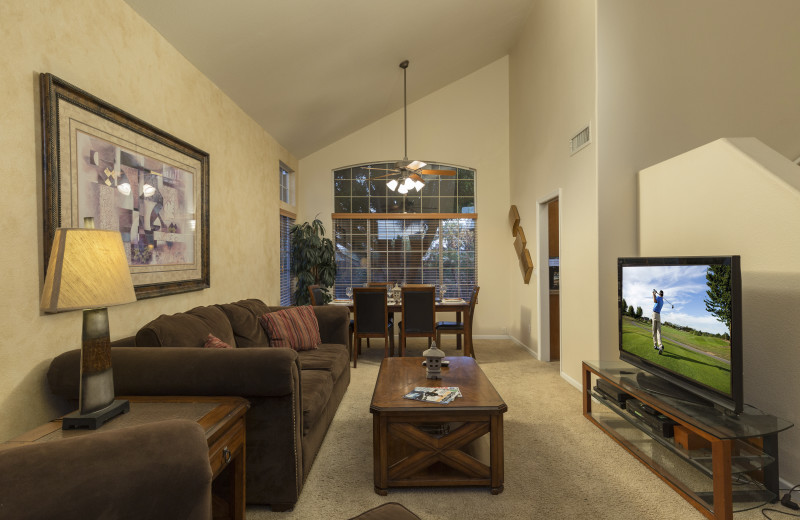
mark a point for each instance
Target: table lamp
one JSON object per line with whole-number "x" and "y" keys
{"x": 88, "y": 270}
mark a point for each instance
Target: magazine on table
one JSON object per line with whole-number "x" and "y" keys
{"x": 434, "y": 394}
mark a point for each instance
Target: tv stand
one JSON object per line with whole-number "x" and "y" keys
{"x": 709, "y": 449}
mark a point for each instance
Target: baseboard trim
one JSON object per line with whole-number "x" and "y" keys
{"x": 571, "y": 381}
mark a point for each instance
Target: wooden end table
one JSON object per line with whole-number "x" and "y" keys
{"x": 428, "y": 444}
{"x": 222, "y": 418}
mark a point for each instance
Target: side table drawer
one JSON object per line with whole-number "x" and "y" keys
{"x": 227, "y": 448}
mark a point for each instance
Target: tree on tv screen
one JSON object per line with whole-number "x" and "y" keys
{"x": 718, "y": 279}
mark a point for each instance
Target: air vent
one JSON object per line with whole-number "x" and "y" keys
{"x": 580, "y": 141}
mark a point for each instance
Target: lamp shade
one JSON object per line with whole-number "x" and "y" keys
{"x": 87, "y": 269}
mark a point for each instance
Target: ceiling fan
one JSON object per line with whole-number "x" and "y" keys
{"x": 406, "y": 174}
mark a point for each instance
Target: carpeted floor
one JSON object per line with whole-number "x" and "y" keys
{"x": 557, "y": 463}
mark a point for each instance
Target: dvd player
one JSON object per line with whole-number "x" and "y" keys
{"x": 659, "y": 423}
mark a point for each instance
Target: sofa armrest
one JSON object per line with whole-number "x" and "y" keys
{"x": 257, "y": 372}
{"x": 334, "y": 323}
{"x": 156, "y": 470}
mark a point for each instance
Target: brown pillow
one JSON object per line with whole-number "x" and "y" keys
{"x": 296, "y": 328}
{"x": 214, "y": 342}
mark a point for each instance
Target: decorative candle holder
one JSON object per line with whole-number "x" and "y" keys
{"x": 433, "y": 362}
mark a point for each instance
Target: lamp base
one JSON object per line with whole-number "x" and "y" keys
{"x": 96, "y": 419}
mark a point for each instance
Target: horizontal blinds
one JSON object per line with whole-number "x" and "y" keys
{"x": 437, "y": 251}
{"x": 286, "y": 277}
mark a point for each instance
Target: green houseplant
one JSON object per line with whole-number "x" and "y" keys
{"x": 313, "y": 260}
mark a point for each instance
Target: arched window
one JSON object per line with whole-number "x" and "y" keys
{"x": 427, "y": 236}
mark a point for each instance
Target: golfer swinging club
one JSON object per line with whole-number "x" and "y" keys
{"x": 658, "y": 299}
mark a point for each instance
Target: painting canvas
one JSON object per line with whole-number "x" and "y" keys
{"x": 129, "y": 177}
{"x": 148, "y": 201}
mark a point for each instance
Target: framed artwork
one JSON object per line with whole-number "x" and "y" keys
{"x": 131, "y": 177}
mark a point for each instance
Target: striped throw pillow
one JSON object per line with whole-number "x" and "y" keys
{"x": 296, "y": 328}
{"x": 214, "y": 342}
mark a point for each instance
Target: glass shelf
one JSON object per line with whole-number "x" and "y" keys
{"x": 687, "y": 470}
{"x": 752, "y": 422}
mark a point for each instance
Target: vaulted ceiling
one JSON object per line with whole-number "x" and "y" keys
{"x": 311, "y": 72}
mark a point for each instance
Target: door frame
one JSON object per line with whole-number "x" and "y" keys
{"x": 543, "y": 273}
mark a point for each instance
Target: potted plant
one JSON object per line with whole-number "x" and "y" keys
{"x": 313, "y": 260}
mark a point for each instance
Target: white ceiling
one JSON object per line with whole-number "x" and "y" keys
{"x": 313, "y": 71}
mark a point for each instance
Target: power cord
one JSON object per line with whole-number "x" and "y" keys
{"x": 787, "y": 502}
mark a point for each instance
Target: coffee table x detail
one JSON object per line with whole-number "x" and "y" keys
{"x": 428, "y": 444}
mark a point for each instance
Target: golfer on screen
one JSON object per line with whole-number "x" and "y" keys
{"x": 658, "y": 299}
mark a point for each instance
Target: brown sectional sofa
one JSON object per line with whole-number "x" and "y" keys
{"x": 293, "y": 395}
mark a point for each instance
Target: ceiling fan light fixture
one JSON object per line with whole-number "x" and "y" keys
{"x": 408, "y": 184}
{"x": 416, "y": 165}
{"x": 392, "y": 184}
{"x": 419, "y": 185}
{"x": 402, "y": 189}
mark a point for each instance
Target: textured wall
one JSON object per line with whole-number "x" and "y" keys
{"x": 105, "y": 48}
{"x": 552, "y": 81}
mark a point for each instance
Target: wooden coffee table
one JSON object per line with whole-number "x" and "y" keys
{"x": 223, "y": 419}
{"x": 427, "y": 444}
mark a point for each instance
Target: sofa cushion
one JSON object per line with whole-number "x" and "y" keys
{"x": 316, "y": 387}
{"x": 333, "y": 358}
{"x": 214, "y": 342}
{"x": 295, "y": 328}
{"x": 243, "y": 316}
{"x": 186, "y": 329}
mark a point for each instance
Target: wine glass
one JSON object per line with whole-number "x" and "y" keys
{"x": 443, "y": 290}
{"x": 349, "y": 292}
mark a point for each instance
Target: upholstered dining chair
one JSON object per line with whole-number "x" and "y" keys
{"x": 460, "y": 327}
{"x": 419, "y": 314}
{"x": 371, "y": 319}
{"x": 315, "y": 292}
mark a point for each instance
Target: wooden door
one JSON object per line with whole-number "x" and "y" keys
{"x": 554, "y": 279}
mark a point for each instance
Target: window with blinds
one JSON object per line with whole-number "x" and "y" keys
{"x": 286, "y": 277}
{"x": 425, "y": 237}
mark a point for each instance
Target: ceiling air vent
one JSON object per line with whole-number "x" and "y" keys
{"x": 580, "y": 140}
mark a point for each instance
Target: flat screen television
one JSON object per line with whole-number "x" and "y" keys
{"x": 700, "y": 344}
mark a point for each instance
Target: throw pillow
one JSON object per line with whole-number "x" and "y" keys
{"x": 214, "y": 342}
{"x": 296, "y": 328}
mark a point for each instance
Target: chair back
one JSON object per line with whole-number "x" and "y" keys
{"x": 370, "y": 310}
{"x": 419, "y": 309}
{"x": 472, "y": 301}
{"x": 317, "y": 295}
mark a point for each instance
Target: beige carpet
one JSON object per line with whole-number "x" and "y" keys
{"x": 557, "y": 463}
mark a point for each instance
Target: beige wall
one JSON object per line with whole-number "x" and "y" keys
{"x": 673, "y": 76}
{"x": 105, "y": 48}
{"x": 466, "y": 124}
{"x": 552, "y": 97}
{"x": 740, "y": 197}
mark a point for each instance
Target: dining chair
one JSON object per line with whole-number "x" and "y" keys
{"x": 419, "y": 314}
{"x": 371, "y": 319}
{"x": 460, "y": 327}
{"x": 315, "y": 292}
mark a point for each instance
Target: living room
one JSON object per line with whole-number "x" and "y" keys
{"x": 654, "y": 80}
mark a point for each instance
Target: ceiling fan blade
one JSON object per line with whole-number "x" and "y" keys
{"x": 437, "y": 172}
{"x": 385, "y": 176}
{"x": 383, "y": 169}
{"x": 415, "y": 177}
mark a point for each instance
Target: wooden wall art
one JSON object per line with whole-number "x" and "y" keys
{"x": 520, "y": 245}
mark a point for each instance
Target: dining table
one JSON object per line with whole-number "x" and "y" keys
{"x": 456, "y": 305}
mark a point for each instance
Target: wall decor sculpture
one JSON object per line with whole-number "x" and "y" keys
{"x": 131, "y": 177}
{"x": 520, "y": 245}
